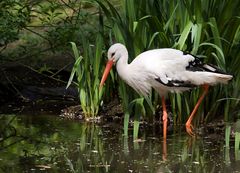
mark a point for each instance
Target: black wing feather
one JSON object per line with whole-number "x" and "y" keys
{"x": 176, "y": 83}
{"x": 198, "y": 65}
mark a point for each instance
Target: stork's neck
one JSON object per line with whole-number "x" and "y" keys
{"x": 122, "y": 65}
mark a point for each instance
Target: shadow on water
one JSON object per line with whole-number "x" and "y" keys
{"x": 50, "y": 144}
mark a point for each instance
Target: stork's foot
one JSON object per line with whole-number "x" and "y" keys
{"x": 190, "y": 129}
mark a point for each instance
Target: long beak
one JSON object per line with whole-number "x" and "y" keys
{"x": 106, "y": 72}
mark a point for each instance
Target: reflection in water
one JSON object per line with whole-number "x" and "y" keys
{"x": 47, "y": 143}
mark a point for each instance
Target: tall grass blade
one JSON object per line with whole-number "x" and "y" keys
{"x": 126, "y": 123}
{"x": 227, "y": 136}
{"x": 184, "y": 35}
{"x": 219, "y": 50}
{"x": 139, "y": 111}
{"x": 237, "y": 141}
{"x": 73, "y": 73}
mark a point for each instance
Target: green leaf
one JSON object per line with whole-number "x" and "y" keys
{"x": 220, "y": 58}
{"x": 75, "y": 67}
{"x": 75, "y": 50}
{"x": 184, "y": 35}
{"x": 126, "y": 122}
{"x": 196, "y": 37}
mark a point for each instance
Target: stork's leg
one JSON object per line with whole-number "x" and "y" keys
{"x": 164, "y": 118}
{"x": 189, "y": 126}
{"x": 164, "y": 148}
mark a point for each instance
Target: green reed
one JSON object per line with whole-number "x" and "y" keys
{"x": 87, "y": 71}
{"x": 232, "y": 130}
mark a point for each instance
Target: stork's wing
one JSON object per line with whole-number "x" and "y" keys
{"x": 191, "y": 70}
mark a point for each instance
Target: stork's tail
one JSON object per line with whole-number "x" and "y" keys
{"x": 223, "y": 78}
{"x": 219, "y": 75}
{"x": 209, "y": 74}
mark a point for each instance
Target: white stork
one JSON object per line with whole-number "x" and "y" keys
{"x": 164, "y": 70}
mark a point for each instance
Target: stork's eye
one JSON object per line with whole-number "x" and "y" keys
{"x": 113, "y": 54}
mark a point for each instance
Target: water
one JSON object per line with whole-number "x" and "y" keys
{"x": 51, "y": 144}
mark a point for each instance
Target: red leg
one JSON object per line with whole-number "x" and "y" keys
{"x": 189, "y": 126}
{"x": 164, "y": 154}
{"x": 164, "y": 118}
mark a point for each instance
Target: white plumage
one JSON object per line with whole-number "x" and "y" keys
{"x": 164, "y": 64}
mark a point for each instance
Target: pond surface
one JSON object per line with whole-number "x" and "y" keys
{"x": 51, "y": 144}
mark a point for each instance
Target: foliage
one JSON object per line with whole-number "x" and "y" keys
{"x": 66, "y": 20}
{"x": 86, "y": 69}
{"x": 50, "y": 24}
{"x": 14, "y": 16}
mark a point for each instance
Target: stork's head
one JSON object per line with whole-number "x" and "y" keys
{"x": 115, "y": 52}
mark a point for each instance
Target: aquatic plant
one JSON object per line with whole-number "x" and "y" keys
{"x": 232, "y": 130}
{"x": 87, "y": 68}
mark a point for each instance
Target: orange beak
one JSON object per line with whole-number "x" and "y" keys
{"x": 106, "y": 72}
